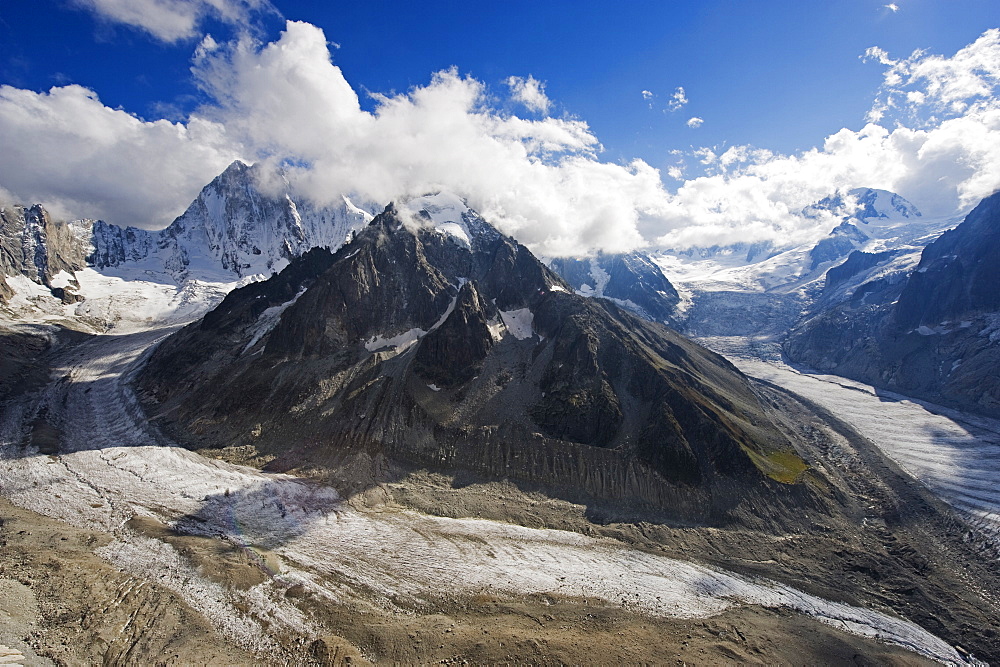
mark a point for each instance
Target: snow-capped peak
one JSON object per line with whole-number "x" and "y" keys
{"x": 445, "y": 212}
{"x": 866, "y": 205}
{"x": 881, "y": 204}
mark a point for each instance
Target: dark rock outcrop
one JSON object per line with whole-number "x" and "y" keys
{"x": 855, "y": 263}
{"x": 844, "y": 238}
{"x": 34, "y": 245}
{"x": 632, "y": 280}
{"x": 409, "y": 348}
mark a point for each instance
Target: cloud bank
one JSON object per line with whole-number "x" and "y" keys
{"x": 64, "y": 148}
{"x": 542, "y": 180}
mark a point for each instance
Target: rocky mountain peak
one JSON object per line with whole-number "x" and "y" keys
{"x": 865, "y": 206}
{"x": 412, "y": 347}
{"x": 631, "y": 280}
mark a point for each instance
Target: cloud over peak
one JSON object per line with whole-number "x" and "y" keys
{"x": 530, "y": 92}
{"x": 541, "y": 179}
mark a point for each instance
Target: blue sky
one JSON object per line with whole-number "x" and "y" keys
{"x": 779, "y": 76}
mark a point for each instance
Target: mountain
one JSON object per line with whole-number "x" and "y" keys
{"x": 631, "y": 280}
{"x": 246, "y": 223}
{"x": 931, "y": 333}
{"x": 432, "y": 340}
{"x": 761, "y": 290}
{"x": 37, "y": 247}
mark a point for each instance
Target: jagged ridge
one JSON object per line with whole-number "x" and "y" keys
{"x": 410, "y": 347}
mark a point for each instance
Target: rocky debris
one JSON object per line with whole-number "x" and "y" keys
{"x": 5, "y": 291}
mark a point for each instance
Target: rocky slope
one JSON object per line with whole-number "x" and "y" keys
{"x": 931, "y": 333}
{"x": 631, "y": 280}
{"x": 432, "y": 340}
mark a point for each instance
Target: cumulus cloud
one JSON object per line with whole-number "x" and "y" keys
{"x": 677, "y": 100}
{"x": 695, "y": 122}
{"x": 892, "y": 7}
{"x": 924, "y": 88}
{"x": 286, "y": 104}
{"x": 941, "y": 151}
{"x": 647, "y": 95}
{"x": 530, "y": 92}
{"x": 66, "y": 149}
{"x": 174, "y": 20}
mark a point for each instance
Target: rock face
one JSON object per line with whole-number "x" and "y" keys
{"x": 35, "y": 246}
{"x": 934, "y": 334}
{"x": 432, "y": 340}
{"x": 243, "y": 223}
{"x": 632, "y": 280}
{"x": 248, "y": 222}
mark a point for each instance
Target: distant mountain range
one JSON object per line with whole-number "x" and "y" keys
{"x": 243, "y": 225}
{"x": 933, "y": 332}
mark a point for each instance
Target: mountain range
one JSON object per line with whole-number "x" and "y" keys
{"x": 931, "y": 332}
{"x": 385, "y": 367}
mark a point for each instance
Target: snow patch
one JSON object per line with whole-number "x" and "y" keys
{"x": 268, "y": 320}
{"x": 445, "y": 212}
{"x": 600, "y": 276}
{"x": 520, "y": 322}
{"x": 400, "y": 341}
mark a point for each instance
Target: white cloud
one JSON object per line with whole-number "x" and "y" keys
{"x": 540, "y": 180}
{"x": 677, "y": 100}
{"x": 174, "y": 20}
{"x": 892, "y": 7}
{"x": 695, "y": 122}
{"x": 66, "y": 149}
{"x": 647, "y": 95}
{"x": 924, "y": 88}
{"x": 530, "y": 92}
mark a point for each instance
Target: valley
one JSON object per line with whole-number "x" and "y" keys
{"x": 284, "y": 568}
{"x": 419, "y": 445}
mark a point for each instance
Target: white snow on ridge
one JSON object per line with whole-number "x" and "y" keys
{"x": 447, "y": 215}
{"x": 268, "y": 320}
{"x": 403, "y": 341}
